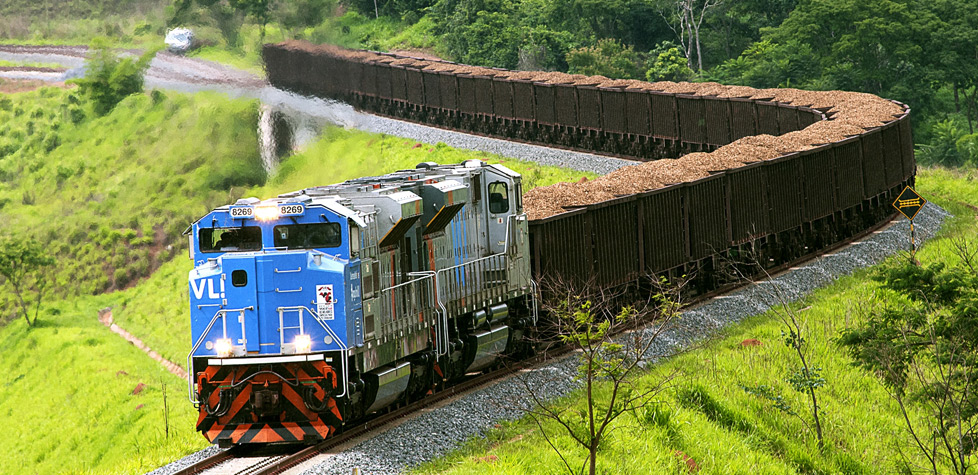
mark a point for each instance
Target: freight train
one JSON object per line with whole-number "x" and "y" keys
{"x": 317, "y": 307}
{"x": 314, "y": 308}
{"x": 794, "y": 201}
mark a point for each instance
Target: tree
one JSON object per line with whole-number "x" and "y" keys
{"x": 925, "y": 352}
{"x": 109, "y": 79}
{"x": 949, "y": 146}
{"x": 298, "y": 14}
{"x": 668, "y": 64}
{"x": 227, "y": 15}
{"x": 806, "y": 378}
{"x": 481, "y": 32}
{"x": 954, "y": 51}
{"x": 686, "y": 18}
{"x": 878, "y": 47}
{"x": 589, "y": 320}
{"x": 260, "y": 10}
{"x": 607, "y": 58}
{"x": 544, "y": 49}
{"x": 765, "y": 64}
{"x": 733, "y": 26}
{"x": 22, "y": 265}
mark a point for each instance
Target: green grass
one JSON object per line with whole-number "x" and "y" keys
{"x": 112, "y": 194}
{"x": 28, "y": 64}
{"x": 707, "y": 415}
{"x": 66, "y": 401}
{"x": 109, "y": 198}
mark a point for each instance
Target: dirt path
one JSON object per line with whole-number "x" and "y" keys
{"x": 105, "y": 316}
{"x": 166, "y": 70}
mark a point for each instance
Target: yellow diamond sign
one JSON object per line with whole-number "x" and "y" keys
{"x": 909, "y": 203}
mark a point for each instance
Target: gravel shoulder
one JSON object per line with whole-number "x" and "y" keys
{"x": 440, "y": 431}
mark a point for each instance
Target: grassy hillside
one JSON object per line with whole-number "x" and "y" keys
{"x": 78, "y": 21}
{"x": 708, "y": 416}
{"x": 110, "y": 198}
{"x": 67, "y": 402}
{"x": 115, "y": 192}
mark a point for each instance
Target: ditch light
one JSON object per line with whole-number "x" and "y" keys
{"x": 223, "y": 347}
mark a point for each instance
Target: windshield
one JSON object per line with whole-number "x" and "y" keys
{"x": 308, "y": 236}
{"x": 230, "y": 239}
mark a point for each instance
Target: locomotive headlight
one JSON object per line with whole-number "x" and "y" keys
{"x": 266, "y": 213}
{"x": 303, "y": 343}
{"x": 223, "y": 347}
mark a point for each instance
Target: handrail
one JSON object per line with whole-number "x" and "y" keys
{"x": 200, "y": 339}
{"x": 473, "y": 261}
{"x": 402, "y": 284}
{"x": 442, "y": 310}
{"x": 536, "y": 309}
{"x": 343, "y": 348}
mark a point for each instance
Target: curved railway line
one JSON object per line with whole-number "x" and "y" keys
{"x": 791, "y": 174}
{"x": 777, "y": 172}
{"x": 786, "y": 181}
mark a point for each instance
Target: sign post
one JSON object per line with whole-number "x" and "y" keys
{"x": 909, "y": 204}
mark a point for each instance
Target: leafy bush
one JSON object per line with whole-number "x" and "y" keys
{"x": 109, "y": 78}
{"x": 608, "y": 58}
{"x": 667, "y": 63}
{"x": 950, "y": 146}
{"x": 768, "y": 64}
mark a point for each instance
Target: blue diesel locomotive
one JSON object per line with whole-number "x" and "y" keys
{"x": 315, "y": 308}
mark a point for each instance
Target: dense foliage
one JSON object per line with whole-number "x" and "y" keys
{"x": 919, "y": 52}
{"x": 925, "y": 350}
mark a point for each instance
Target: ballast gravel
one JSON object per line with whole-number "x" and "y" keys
{"x": 444, "y": 429}
{"x": 174, "y": 467}
{"x": 543, "y": 155}
{"x": 306, "y": 112}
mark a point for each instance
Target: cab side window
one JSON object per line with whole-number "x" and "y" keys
{"x": 308, "y": 236}
{"x": 498, "y": 197}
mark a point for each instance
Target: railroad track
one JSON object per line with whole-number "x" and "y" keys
{"x": 245, "y": 460}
